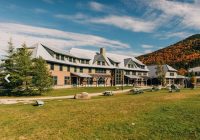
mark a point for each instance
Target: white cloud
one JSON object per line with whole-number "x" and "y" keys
{"x": 123, "y": 22}
{"x": 96, "y": 6}
{"x": 76, "y": 17}
{"x": 187, "y": 12}
{"x": 145, "y": 46}
{"x": 39, "y": 10}
{"x": 127, "y": 23}
{"x": 168, "y": 35}
{"x": 56, "y": 38}
{"x": 148, "y": 51}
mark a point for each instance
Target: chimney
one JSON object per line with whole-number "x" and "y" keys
{"x": 103, "y": 51}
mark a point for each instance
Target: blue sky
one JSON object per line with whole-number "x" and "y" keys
{"x": 131, "y": 27}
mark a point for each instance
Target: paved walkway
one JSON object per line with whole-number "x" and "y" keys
{"x": 31, "y": 99}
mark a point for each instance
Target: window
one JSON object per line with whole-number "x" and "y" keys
{"x": 52, "y": 66}
{"x": 70, "y": 59}
{"x": 57, "y": 56}
{"x": 62, "y": 57}
{"x": 100, "y": 71}
{"x": 131, "y": 65}
{"x": 142, "y": 67}
{"x": 67, "y": 80}
{"x": 103, "y": 63}
{"x": 82, "y": 61}
{"x": 87, "y": 61}
{"x": 74, "y": 60}
{"x": 81, "y": 70}
{"x": 127, "y": 72}
{"x": 117, "y": 64}
{"x": 145, "y": 74}
{"x": 171, "y": 74}
{"x": 61, "y": 68}
{"x": 68, "y": 68}
{"x": 139, "y": 73}
{"x": 55, "y": 80}
{"x": 119, "y": 76}
{"x": 90, "y": 70}
{"x": 75, "y": 69}
{"x": 133, "y": 73}
{"x": 98, "y": 63}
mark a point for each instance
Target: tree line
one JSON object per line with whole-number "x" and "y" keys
{"x": 28, "y": 75}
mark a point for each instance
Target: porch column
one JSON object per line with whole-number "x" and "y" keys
{"x": 77, "y": 81}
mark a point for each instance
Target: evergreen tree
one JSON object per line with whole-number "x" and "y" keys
{"x": 8, "y": 66}
{"x": 24, "y": 70}
{"x": 27, "y": 76}
{"x": 42, "y": 79}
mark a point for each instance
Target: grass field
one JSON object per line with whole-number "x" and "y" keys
{"x": 152, "y": 115}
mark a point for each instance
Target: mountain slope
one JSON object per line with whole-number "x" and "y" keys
{"x": 183, "y": 54}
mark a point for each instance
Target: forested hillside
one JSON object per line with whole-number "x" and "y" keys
{"x": 184, "y": 54}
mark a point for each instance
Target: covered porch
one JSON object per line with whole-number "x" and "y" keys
{"x": 101, "y": 79}
{"x": 180, "y": 80}
{"x": 81, "y": 79}
{"x": 133, "y": 80}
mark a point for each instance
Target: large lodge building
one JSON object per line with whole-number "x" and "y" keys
{"x": 80, "y": 67}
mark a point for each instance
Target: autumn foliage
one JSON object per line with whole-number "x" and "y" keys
{"x": 184, "y": 54}
{"x": 182, "y": 71}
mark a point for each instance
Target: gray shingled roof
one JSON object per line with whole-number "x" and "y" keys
{"x": 152, "y": 70}
{"x": 63, "y": 52}
{"x": 195, "y": 69}
{"x": 40, "y": 50}
{"x": 126, "y": 61}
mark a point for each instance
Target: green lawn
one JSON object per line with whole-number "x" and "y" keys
{"x": 152, "y": 115}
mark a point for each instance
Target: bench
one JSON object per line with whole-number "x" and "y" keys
{"x": 108, "y": 93}
{"x": 137, "y": 91}
{"x": 174, "y": 88}
{"x": 155, "y": 89}
{"x": 39, "y": 103}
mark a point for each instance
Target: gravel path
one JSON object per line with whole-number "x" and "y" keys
{"x": 32, "y": 99}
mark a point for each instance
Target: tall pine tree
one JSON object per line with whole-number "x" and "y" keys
{"x": 42, "y": 79}
{"x": 27, "y": 76}
{"x": 24, "y": 69}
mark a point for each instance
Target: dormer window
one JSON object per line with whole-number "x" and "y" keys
{"x": 70, "y": 59}
{"x": 131, "y": 66}
{"x": 98, "y": 62}
{"x": 82, "y": 61}
{"x": 87, "y": 61}
{"x": 74, "y": 60}
{"x": 57, "y": 56}
{"x": 62, "y": 57}
{"x": 103, "y": 63}
{"x": 142, "y": 67}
